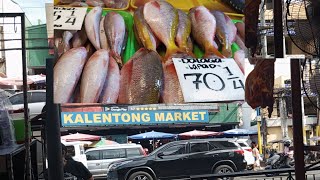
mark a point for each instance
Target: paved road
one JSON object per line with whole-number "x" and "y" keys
{"x": 311, "y": 175}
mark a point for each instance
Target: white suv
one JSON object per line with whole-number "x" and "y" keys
{"x": 98, "y": 159}
{"x": 248, "y": 156}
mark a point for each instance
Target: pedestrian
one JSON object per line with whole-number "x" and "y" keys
{"x": 74, "y": 167}
{"x": 256, "y": 155}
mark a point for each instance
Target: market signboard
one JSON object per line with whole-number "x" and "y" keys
{"x": 103, "y": 61}
{"x": 207, "y": 80}
{"x": 107, "y": 118}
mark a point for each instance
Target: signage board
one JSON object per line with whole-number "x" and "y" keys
{"x": 210, "y": 80}
{"x": 105, "y": 118}
{"x": 68, "y": 18}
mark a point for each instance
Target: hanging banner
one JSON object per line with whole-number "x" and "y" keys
{"x": 68, "y": 18}
{"x": 210, "y": 80}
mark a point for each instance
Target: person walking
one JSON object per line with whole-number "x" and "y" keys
{"x": 256, "y": 156}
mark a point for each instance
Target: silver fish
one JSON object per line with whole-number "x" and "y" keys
{"x": 92, "y": 25}
{"x": 93, "y": 76}
{"x": 67, "y": 72}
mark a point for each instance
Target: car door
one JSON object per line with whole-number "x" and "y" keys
{"x": 111, "y": 155}
{"x": 36, "y": 103}
{"x": 171, "y": 161}
{"x": 201, "y": 157}
{"x": 94, "y": 162}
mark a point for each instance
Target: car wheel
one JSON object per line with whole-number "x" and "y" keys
{"x": 140, "y": 175}
{"x": 223, "y": 169}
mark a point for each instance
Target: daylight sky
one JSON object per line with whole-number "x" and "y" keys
{"x": 34, "y": 9}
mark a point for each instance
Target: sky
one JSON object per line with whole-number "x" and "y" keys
{"x": 34, "y": 9}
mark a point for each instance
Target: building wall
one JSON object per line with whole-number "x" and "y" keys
{"x": 12, "y": 31}
{"x": 37, "y": 58}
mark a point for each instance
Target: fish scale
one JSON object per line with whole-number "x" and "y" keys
{"x": 141, "y": 78}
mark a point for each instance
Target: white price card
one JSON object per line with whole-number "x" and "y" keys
{"x": 68, "y": 18}
{"x": 210, "y": 80}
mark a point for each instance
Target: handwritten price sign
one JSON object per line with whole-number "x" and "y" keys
{"x": 210, "y": 80}
{"x": 68, "y": 18}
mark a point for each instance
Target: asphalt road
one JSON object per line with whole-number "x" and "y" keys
{"x": 311, "y": 175}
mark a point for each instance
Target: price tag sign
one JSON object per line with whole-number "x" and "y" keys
{"x": 68, "y": 18}
{"x": 210, "y": 80}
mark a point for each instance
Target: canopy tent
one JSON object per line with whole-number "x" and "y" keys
{"x": 196, "y": 133}
{"x": 103, "y": 142}
{"x": 80, "y": 137}
{"x": 152, "y": 135}
{"x": 239, "y": 132}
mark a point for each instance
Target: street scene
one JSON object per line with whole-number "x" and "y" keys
{"x": 159, "y": 89}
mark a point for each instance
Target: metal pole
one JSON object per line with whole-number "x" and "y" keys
{"x": 25, "y": 101}
{"x": 297, "y": 119}
{"x": 278, "y": 29}
{"x": 55, "y": 164}
{"x": 264, "y": 50}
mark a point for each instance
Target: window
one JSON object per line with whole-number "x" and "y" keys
{"x": 199, "y": 147}
{"x": 38, "y": 97}
{"x": 224, "y": 144}
{"x": 18, "y": 98}
{"x": 242, "y": 144}
{"x": 175, "y": 150}
{"x": 93, "y": 155}
{"x": 113, "y": 153}
{"x": 132, "y": 152}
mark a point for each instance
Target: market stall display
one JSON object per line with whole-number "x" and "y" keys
{"x": 108, "y": 4}
{"x": 108, "y": 37}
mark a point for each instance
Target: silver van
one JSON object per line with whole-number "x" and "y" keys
{"x": 98, "y": 159}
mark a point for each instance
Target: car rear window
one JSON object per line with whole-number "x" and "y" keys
{"x": 199, "y": 147}
{"x": 224, "y": 144}
{"x": 38, "y": 97}
{"x": 242, "y": 144}
{"x": 133, "y": 152}
{"x": 113, "y": 153}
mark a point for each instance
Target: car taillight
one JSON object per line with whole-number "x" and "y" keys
{"x": 250, "y": 150}
{"x": 239, "y": 151}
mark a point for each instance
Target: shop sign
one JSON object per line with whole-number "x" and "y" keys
{"x": 210, "y": 80}
{"x": 133, "y": 117}
{"x": 68, "y": 18}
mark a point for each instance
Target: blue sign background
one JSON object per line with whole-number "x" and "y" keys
{"x": 133, "y": 118}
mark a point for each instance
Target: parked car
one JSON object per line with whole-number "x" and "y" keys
{"x": 180, "y": 159}
{"x": 76, "y": 150}
{"x": 36, "y": 101}
{"x": 98, "y": 159}
{"x": 248, "y": 156}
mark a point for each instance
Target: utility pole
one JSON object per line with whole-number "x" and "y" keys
{"x": 264, "y": 53}
{"x": 283, "y": 116}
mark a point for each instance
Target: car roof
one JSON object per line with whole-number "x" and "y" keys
{"x": 204, "y": 140}
{"x": 116, "y": 146}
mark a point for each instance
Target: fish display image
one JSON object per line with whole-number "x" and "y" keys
{"x": 67, "y": 72}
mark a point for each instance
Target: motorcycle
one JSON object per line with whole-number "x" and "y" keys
{"x": 278, "y": 161}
